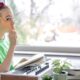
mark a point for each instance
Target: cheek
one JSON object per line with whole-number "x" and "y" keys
{"x": 6, "y": 25}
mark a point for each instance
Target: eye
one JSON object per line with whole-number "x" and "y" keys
{"x": 8, "y": 18}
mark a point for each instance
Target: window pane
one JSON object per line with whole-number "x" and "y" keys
{"x": 47, "y": 22}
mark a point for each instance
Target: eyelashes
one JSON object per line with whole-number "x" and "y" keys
{"x": 9, "y": 18}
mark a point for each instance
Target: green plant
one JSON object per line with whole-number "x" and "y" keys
{"x": 46, "y": 77}
{"x": 60, "y": 66}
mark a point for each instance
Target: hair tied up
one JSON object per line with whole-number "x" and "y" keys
{"x": 2, "y": 4}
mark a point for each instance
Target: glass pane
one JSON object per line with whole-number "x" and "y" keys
{"x": 2, "y": 0}
{"x": 47, "y": 22}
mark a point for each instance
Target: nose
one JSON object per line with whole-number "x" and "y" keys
{"x": 12, "y": 24}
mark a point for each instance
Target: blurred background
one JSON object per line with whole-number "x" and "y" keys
{"x": 46, "y": 22}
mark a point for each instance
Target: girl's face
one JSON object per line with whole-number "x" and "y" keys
{"x": 6, "y": 20}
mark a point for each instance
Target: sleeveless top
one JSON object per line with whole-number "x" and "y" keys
{"x": 4, "y": 46}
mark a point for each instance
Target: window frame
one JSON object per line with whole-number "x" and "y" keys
{"x": 48, "y": 50}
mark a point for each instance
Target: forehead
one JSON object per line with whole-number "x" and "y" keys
{"x": 5, "y": 12}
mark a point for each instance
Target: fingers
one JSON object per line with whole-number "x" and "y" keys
{"x": 12, "y": 29}
{"x": 12, "y": 37}
{"x": 12, "y": 32}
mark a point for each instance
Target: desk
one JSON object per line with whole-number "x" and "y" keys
{"x": 16, "y": 77}
{"x": 25, "y": 77}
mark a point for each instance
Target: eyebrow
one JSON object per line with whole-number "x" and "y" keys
{"x": 8, "y": 16}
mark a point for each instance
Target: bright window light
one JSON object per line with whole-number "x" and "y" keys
{"x": 47, "y": 22}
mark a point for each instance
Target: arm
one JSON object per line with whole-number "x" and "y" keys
{"x": 5, "y": 66}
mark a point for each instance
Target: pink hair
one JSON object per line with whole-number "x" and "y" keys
{"x": 2, "y": 5}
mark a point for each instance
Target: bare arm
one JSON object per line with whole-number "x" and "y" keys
{"x": 5, "y": 66}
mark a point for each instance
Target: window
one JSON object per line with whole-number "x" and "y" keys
{"x": 47, "y": 22}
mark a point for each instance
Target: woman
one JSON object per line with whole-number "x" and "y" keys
{"x": 6, "y": 49}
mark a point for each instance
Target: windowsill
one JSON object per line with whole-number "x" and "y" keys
{"x": 47, "y": 53}
{"x": 53, "y": 49}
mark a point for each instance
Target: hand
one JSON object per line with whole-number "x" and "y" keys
{"x": 12, "y": 38}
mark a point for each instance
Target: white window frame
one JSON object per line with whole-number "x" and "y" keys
{"x": 48, "y": 50}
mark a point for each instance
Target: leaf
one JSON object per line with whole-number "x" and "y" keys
{"x": 59, "y": 66}
{"x": 57, "y": 70}
{"x": 46, "y": 77}
{"x": 56, "y": 62}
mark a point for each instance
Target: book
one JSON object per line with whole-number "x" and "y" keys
{"x": 36, "y": 59}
